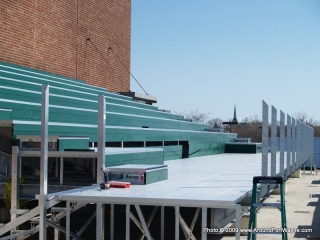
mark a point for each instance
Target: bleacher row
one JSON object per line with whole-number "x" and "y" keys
{"x": 73, "y": 108}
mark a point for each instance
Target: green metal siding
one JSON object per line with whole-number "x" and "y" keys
{"x": 156, "y": 176}
{"x": 155, "y": 158}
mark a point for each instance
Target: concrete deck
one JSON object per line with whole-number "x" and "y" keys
{"x": 303, "y": 210}
{"x": 222, "y": 179}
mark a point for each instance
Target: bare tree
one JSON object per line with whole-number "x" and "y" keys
{"x": 302, "y": 116}
{"x": 249, "y": 127}
{"x": 195, "y": 115}
{"x": 215, "y": 123}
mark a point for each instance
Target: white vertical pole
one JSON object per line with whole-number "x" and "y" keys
{"x": 101, "y": 138}
{"x": 298, "y": 142}
{"x": 68, "y": 220}
{"x": 282, "y": 120}
{"x": 127, "y": 222}
{"x": 100, "y": 221}
{"x": 288, "y": 172}
{"x": 238, "y": 220}
{"x": 44, "y": 163}
{"x": 57, "y": 167}
{"x": 162, "y": 222}
{"x": 56, "y": 231}
{"x": 294, "y": 145}
{"x": 203, "y": 223}
{"x": 265, "y": 116}
{"x": 265, "y": 147}
{"x": 273, "y": 141}
{"x": 111, "y": 221}
{"x": 94, "y": 168}
{"x": 177, "y": 224}
{"x": 15, "y": 178}
{"x": 61, "y": 170}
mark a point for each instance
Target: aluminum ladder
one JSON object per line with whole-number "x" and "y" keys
{"x": 255, "y": 205}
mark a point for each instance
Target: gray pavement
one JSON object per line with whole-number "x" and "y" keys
{"x": 303, "y": 210}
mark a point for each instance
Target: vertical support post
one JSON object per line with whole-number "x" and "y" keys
{"x": 103, "y": 222}
{"x": 311, "y": 149}
{"x": 265, "y": 135}
{"x": 68, "y": 220}
{"x": 273, "y": 141}
{"x": 264, "y": 170}
{"x": 15, "y": 178}
{"x": 94, "y": 168}
{"x": 111, "y": 221}
{"x": 57, "y": 167}
{"x": 127, "y": 222}
{"x": 162, "y": 222}
{"x": 44, "y": 163}
{"x": 177, "y": 224}
{"x": 282, "y": 120}
{"x": 311, "y": 165}
{"x": 203, "y": 223}
{"x": 20, "y": 168}
{"x": 101, "y": 138}
{"x": 293, "y": 145}
{"x": 288, "y": 171}
{"x": 61, "y": 170}
{"x": 298, "y": 142}
{"x": 238, "y": 220}
{"x": 57, "y": 232}
{"x": 100, "y": 221}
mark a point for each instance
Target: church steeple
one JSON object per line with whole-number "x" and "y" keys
{"x": 235, "y": 115}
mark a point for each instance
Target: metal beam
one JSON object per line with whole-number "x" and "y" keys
{"x": 186, "y": 230}
{"x": 264, "y": 170}
{"x": 162, "y": 222}
{"x": 100, "y": 221}
{"x": 21, "y": 235}
{"x": 85, "y": 225}
{"x": 288, "y": 169}
{"x": 101, "y": 138}
{"x": 66, "y": 154}
{"x": 44, "y": 163}
{"x": 15, "y": 178}
{"x": 127, "y": 222}
{"x": 57, "y": 232}
{"x": 150, "y": 219}
{"x": 57, "y": 168}
{"x": 204, "y": 223}
{"x": 195, "y": 217}
{"x": 136, "y": 221}
{"x": 294, "y": 145}
{"x": 68, "y": 220}
{"x": 265, "y": 135}
{"x": 143, "y": 222}
{"x": 177, "y": 218}
{"x": 238, "y": 220}
{"x": 282, "y": 135}
{"x": 273, "y": 141}
{"x": 111, "y": 221}
{"x": 61, "y": 170}
{"x": 19, "y": 220}
{"x": 61, "y": 229}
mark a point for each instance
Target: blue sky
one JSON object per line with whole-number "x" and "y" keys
{"x": 212, "y": 54}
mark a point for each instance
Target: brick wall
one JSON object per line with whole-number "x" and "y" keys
{"x": 51, "y": 35}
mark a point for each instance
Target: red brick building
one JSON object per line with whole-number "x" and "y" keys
{"x": 51, "y": 35}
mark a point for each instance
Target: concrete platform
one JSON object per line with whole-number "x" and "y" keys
{"x": 223, "y": 179}
{"x": 303, "y": 210}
